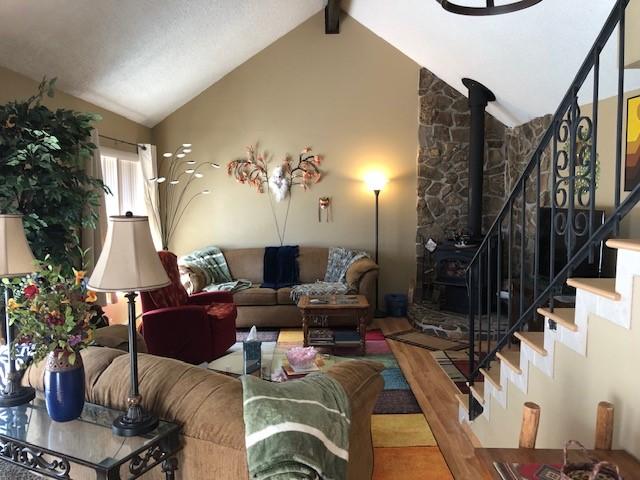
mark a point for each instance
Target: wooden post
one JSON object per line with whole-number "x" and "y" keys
{"x": 604, "y": 426}
{"x": 529, "y": 428}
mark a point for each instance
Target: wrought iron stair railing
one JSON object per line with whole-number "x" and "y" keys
{"x": 561, "y": 178}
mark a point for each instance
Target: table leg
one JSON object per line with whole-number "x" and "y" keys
{"x": 305, "y": 328}
{"x": 169, "y": 467}
{"x": 362, "y": 324}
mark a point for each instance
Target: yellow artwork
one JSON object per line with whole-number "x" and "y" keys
{"x": 632, "y": 161}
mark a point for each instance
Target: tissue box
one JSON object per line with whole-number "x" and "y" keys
{"x": 252, "y": 355}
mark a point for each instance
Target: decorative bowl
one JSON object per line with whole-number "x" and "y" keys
{"x": 301, "y": 357}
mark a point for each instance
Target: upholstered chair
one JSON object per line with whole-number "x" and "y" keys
{"x": 192, "y": 328}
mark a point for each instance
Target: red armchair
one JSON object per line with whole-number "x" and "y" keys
{"x": 192, "y": 328}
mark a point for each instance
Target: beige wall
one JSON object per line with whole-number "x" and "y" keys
{"x": 607, "y": 124}
{"x": 632, "y": 38}
{"x": 353, "y": 98}
{"x": 15, "y": 86}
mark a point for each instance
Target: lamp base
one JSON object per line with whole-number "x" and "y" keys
{"x": 123, "y": 426}
{"x": 19, "y": 396}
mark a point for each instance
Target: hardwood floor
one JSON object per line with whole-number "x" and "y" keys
{"x": 436, "y": 396}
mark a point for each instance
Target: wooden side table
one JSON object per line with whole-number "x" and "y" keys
{"x": 335, "y": 312}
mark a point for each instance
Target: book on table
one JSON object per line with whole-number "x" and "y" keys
{"x": 531, "y": 471}
{"x": 346, "y": 336}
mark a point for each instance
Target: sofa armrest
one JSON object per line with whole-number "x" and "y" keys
{"x": 362, "y": 383}
{"x": 207, "y": 298}
{"x": 367, "y": 287}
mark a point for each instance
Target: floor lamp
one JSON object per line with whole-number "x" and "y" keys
{"x": 375, "y": 182}
{"x": 129, "y": 263}
{"x": 16, "y": 260}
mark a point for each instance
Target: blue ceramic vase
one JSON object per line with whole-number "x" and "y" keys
{"x": 63, "y": 387}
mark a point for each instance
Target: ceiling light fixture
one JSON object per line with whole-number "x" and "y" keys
{"x": 189, "y": 171}
{"x": 174, "y": 182}
{"x": 191, "y": 162}
{"x": 186, "y": 145}
{"x": 187, "y": 150}
{"x": 181, "y": 155}
{"x": 215, "y": 165}
{"x": 167, "y": 155}
{"x": 490, "y": 8}
{"x": 198, "y": 175}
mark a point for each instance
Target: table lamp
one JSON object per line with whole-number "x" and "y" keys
{"x": 16, "y": 260}
{"x": 129, "y": 263}
{"x": 375, "y": 182}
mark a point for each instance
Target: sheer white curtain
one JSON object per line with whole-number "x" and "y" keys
{"x": 122, "y": 173}
{"x": 93, "y": 239}
{"x": 149, "y": 164}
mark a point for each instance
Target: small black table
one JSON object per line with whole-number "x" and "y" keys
{"x": 31, "y": 440}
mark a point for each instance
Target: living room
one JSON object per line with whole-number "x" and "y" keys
{"x": 391, "y": 193}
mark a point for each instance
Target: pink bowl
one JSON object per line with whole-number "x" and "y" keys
{"x": 301, "y": 357}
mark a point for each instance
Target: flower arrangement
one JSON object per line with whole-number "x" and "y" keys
{"x": 54, "y": 313}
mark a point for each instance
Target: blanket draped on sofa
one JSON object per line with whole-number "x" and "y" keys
{"x": 210, "y": 264}
{"x": 296, "y": 430}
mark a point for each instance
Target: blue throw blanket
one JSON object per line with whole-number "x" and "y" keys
{"x": 281, "y": 267}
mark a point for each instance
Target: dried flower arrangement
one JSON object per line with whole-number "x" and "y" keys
{"x": 254, "y": 171}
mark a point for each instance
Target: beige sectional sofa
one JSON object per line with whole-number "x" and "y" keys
{"x": 266, "y": 307}
{"x": 208, "y": 406}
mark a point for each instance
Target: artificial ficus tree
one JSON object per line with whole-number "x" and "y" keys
{"x": 42, "y": 171}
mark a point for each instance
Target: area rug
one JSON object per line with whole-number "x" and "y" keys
{"x": 427, "y": 341}
{"x": 404, "y": 446}
{"x": 9, "y": 471}
{"x": 456, "y": 366}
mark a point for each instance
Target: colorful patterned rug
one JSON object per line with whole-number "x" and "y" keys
{"x": 404, "y": 446}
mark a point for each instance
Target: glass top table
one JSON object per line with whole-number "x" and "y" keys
{"x": 30, "y": 439}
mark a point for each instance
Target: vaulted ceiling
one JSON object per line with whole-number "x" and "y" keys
{"x": 146, "y": 58}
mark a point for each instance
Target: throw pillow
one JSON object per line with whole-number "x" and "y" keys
{"x": 193, "y": 279}
{"x": 358, "y": 269}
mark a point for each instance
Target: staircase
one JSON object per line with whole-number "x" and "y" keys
{"x": 560, "y": 179}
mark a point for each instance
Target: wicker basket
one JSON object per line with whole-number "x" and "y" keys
{"x": 589, "y": 468}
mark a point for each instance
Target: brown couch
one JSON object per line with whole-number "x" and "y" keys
{"x": 266, "y": 307}
{"x": 209, "y": 407}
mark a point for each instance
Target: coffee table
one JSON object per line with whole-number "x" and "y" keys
{"x": 337, "y": 314}
{"x": 31, "y": 440}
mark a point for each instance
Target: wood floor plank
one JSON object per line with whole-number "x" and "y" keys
{"x": 436, "y": 395}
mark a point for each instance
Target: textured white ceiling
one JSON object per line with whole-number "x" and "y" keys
{"x": 141, "y": 58}
{"x": 146, "y": 58}
{"x": 527, "y": 58}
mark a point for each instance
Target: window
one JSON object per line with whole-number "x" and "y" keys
{"x": 122, "y": 173}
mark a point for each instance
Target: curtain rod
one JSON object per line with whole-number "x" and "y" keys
{"x": 117, "y": 140}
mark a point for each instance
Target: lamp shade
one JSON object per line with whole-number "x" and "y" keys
{"x": 129, "y": 261}
{"x": 375, "y": 181}
{"x": 16, "y": 258}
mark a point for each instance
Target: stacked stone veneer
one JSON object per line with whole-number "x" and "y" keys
{"x": 443, "y": 168}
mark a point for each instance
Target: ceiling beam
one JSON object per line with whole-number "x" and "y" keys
{"x": 332, "y": 17}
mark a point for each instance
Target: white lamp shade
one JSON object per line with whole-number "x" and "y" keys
{"x": 129, "y": 261}
{"x": 375, "y": 180}
{"x": 16, "y": 258}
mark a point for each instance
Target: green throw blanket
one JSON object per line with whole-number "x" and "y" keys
{"x": 298, "y": 430}
{"x": 213, "y": 266}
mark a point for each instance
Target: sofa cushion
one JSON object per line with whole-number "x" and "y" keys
{"x": 247, "y": 263}
{"x": 283, "y": 296}
{"x": 313, "y": 263}
{"x": 255, "y": 296}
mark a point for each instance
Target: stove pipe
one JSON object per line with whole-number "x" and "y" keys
{"x": 479, "y": 97}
